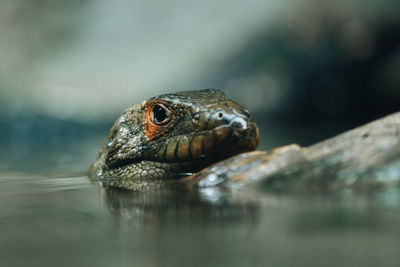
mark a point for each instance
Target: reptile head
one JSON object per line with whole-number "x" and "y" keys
{"x": 174, "y": 134}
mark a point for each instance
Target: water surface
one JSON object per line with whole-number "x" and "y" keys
{"x": 67, "y": 221}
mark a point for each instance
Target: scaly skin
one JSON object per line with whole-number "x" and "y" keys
{"x": 173, "y": 135}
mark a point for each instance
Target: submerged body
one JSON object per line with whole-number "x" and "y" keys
{"x": 173, "y": 135}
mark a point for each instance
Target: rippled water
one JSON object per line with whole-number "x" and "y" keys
{"x": 67, "y": 221}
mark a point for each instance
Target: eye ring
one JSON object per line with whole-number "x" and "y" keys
{"x": 159, "y": 114}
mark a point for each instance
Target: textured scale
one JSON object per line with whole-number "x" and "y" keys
{"x": 195, "y": 129}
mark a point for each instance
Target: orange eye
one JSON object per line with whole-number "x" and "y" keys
{"x": 159, "y": 114}
{"x": 157, "y": 119}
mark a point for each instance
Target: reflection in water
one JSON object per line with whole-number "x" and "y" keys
{"x": 249, "y": 209}
{"x": 162, "y": 209}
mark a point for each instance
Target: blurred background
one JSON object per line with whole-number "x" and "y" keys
{"x": 306, "y": 70}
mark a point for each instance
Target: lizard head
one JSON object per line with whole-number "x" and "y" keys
{"x": 171, "y": 135}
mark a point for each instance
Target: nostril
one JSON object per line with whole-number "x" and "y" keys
{"x": 239, "y": 124}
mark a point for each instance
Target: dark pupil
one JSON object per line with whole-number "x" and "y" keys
{"x": 159, "y": 114}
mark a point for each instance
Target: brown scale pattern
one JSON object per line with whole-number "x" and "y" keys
{"x": 201, "y": 127}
